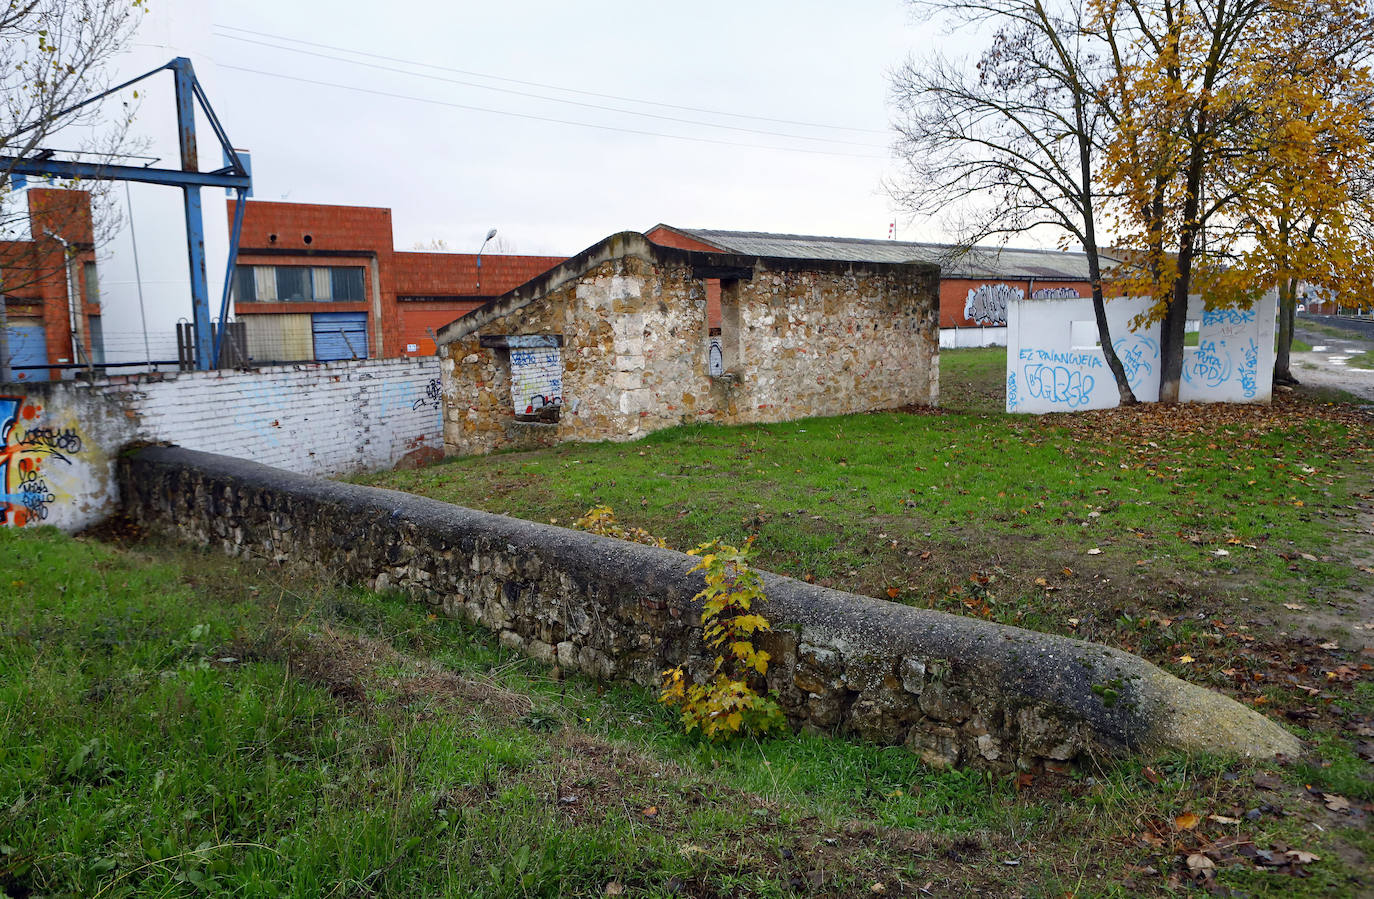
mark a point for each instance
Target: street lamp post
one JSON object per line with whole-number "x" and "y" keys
{"x": 490, "y": 235}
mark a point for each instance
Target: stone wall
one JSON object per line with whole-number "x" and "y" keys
{"x": 800, "y": 338}
{"x": 955, "y": 690}
{"x": 58, "y": 440}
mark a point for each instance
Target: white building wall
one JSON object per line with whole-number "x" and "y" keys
{"x": 1054, "y": 362}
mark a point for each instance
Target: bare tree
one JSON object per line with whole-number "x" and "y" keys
{"x": 1010, "y": 143}
{"x": 54, "y": 54}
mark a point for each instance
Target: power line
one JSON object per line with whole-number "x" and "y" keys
{"x": 518, "y": 93}
{"x": 570, "y": 90}
{"x": 538, "y": 118}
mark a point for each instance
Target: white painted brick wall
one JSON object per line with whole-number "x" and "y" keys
{"x": 325, "y": 419}
{"x": 319, "y": 418}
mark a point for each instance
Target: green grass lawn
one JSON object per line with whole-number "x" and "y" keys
{"x": 180, "y": 724}
{"x": 1363, "y": 360}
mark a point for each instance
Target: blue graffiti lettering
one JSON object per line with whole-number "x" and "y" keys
{"x": 1211, "y": 364}
{"x": 1079, "y": 359}
{"x": 1227, "y": 316}
{"x": 1249, "y": 369}
{"x": 1012, "y": 399}
{"x": 1138, "y": 354}
{"x": 1059, "y": 384}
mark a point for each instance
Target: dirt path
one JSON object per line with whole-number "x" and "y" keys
{"x": 1325, "y": 365}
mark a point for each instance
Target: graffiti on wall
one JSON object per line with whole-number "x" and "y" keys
{"x": 715, "y": 357}
{"x": 1051, "y": 367}
{"x": 433, "y": 397}
{"x": 1056, "y": 293}
{"x": 1139, "y": 354}
{"x": 987, "y": 303}
{"x": 1059, "y": 384}
{"x": 536, "y": 383}
{"x": 26, "y": 491}
{"x": 1249, "y": 369}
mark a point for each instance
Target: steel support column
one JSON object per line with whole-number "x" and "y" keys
{"x": 184, "y": 78}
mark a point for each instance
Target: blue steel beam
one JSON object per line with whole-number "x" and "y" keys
{"x": 234, "y": 233}
{"x": 94, "y": 171}
{"x": 189, "y": 178}
{"x": 184, "y": 79}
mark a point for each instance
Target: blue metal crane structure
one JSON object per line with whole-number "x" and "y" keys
{"x": 234, "y": 175}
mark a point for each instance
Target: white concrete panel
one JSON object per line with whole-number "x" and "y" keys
{"x": 1054, "y": 364}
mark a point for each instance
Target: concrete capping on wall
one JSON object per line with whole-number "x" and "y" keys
{"x": 632, "y": 244}
{"x": 955, "y": 690}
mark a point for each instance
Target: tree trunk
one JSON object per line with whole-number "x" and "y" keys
{"x": 1104, "y": 334}
{"x": 1171, "y": 333}
{"x": 1123, "y": 383}
{"x": 1288, "y": 307}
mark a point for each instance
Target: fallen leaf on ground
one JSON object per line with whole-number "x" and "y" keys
{"x": 615, "y": 888}
{"x": 1337, "y": 803}
{"x": 1302, "y": 858}
{"x": 1186, "y": 821}
{"x": 1296, "y": 607}
{"x": 1094, "y": 551}
{"x": 1199, "y": 862}
{"x": 651, "y": 811}
{"x": 1186, "y": 659}
{"x": 1222, "y": 819}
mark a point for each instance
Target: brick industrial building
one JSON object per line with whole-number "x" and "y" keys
{"x": 51, "y": 298}
{"x": 317, "y": 282}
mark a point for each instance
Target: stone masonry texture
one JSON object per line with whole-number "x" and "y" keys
{"x": 956, "y": 691}
{"x": 802, "y": 338}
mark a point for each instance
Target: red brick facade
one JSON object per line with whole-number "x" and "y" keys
{"x": 35, "y": 276}
{"x": 667, "y": 237}
{"x": 407, "y": 293}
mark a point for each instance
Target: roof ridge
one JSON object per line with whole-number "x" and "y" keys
{"x": 865, "y": 240}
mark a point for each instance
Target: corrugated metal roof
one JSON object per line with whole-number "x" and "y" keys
{"x": 979, "y": 262}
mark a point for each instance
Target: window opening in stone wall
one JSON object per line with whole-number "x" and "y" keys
{"x": 536, "y": 379}
{"x": 724, "y": 340}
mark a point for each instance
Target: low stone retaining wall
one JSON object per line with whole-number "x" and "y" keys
{"x": 955, "y": 690}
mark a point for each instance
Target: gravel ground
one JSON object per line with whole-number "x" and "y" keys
{"x": 1326, "y": 365}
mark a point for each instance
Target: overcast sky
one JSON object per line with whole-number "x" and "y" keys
{"x": 494, "y": 126}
